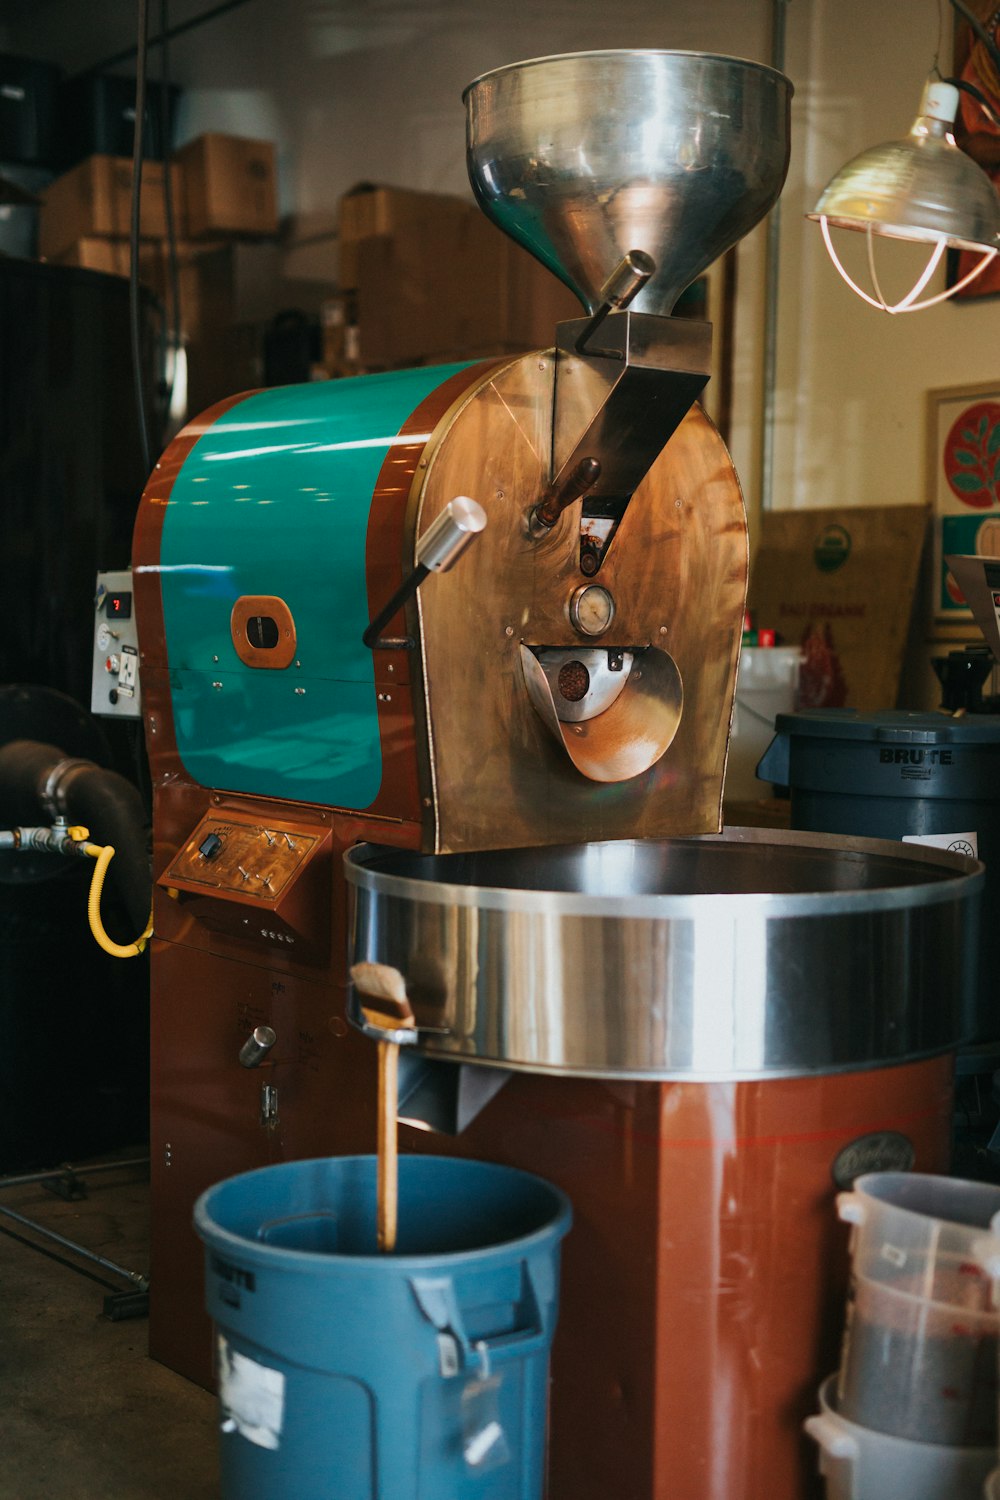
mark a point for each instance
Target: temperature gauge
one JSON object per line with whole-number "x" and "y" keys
{"x": 591, "y": 609}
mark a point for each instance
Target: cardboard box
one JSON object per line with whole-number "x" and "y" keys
{"x": 95, "y": 199}
{"x": 536, "y": 300}
{"x": 453, "y": 288}
{"x": 241, "y": 283}
{"x": 370, "y": 209}
{"x": 228, "y": 185}
{"x": 840, "y": 584}
{"x": 114, "y": 258}
{"x": 154, "y": 269}
{"x": 238, "y": 283}
{"x": 310, "y": 244}
{"x": 224, "y": 363}
{"x": 316, "y": 260}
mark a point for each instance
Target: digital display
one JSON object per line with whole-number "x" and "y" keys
{"x": 118, "y": 606}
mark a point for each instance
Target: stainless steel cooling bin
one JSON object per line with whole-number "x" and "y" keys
{"x": 750, "y": 954}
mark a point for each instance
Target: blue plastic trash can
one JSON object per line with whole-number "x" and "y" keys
{"x": 349, "y": 1375}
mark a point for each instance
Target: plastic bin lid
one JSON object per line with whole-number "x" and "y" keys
{"x": 893, "y": 726}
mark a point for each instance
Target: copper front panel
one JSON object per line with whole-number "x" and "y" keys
{"x": 677, "y": 571}
{"x": 704, "y": 1278}
{"x": 705, "y": 1275}
{"x": 213, "y": 981}
{"x": 206, "y": 1110}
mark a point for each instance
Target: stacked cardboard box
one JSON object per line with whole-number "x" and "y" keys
{"x": 427, "y": 278}
{"x": 223, "y": 186}
{"x": 228, "y": 187}
{"x": 94, "y": 201}
{"x": 224, "y": 194}
{"x": 392, "y": 277}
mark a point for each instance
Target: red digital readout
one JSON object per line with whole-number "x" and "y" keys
{"x": 118, "y": 606}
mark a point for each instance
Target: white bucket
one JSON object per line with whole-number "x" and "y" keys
{"x": 861, "y": 1464}
{"x": 767, "y": 685}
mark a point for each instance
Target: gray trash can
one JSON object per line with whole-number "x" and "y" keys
{"x": 900, "y": 774}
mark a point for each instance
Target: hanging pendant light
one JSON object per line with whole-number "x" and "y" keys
{"x": 923, "y": 189}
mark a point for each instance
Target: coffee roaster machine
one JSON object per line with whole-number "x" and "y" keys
{"x": 696, "y": 1035}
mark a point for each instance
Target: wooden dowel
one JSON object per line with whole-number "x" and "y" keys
{"x": 388, "y": 1167}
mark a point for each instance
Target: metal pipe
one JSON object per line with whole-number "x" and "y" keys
{"x": 134, "y": 1277}
{"x": 174, "y": 31}
{"x": 105, "y": 1166}
{"x": 772, "y": 263}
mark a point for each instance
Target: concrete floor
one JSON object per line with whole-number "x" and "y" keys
{"x": 87, "y": 1415}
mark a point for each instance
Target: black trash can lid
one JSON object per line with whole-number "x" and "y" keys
{"x": 891, "y": 726}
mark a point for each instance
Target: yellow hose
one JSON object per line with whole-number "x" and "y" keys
{"x": 104, "y": 857}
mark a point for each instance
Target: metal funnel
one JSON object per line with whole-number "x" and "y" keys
{"x": 585, "y": 156}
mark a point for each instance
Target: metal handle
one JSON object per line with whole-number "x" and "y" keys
{"x": 438, "y": 549}
{"x": 838, "y": 1446}
{"x": 557, "y": 497}
{"x": 437, "y": 1301}
{"x": 444, "y": 541}
{"x": 257, "y": 1045}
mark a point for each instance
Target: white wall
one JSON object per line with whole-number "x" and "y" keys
{"x": 852, "y": 381}
{"x": 354, "y": 89}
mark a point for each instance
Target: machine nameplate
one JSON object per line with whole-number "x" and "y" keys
{"x": 233, "y": 858}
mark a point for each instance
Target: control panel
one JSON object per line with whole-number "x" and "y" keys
{"x": 114, "y": 689}
{"x": 234, "y": 858}
{"x": 261, "y": 883}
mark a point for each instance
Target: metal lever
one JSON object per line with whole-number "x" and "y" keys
{"x": 625, "y": 283}
{"x": 438, "y": 549}
{"x": 557, "y": 497}
{"x": 257, "y": 1045}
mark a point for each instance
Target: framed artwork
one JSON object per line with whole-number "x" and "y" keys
{"x": 712, "y": 298}
{"x": 963, "y": 484}
{"x": 976, "y": 133}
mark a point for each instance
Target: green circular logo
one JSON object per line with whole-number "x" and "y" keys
{"x": 832, "y": 548}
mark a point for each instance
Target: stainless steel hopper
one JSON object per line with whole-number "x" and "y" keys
{"x": 584, "y": 157}
{"x": 626, "y": 173}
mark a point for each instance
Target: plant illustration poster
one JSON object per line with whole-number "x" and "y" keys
{"x": 964, "y": 431}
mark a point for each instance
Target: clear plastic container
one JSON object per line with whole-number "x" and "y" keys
{"x": 766, "y": 686}
{"x": 987, "y": 1252}
{"x": 920, "y": 1233}
{"x": 921, "y": 1370}
{"x": 920, "y": 1352}
{"x": 861, "y": 1464}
